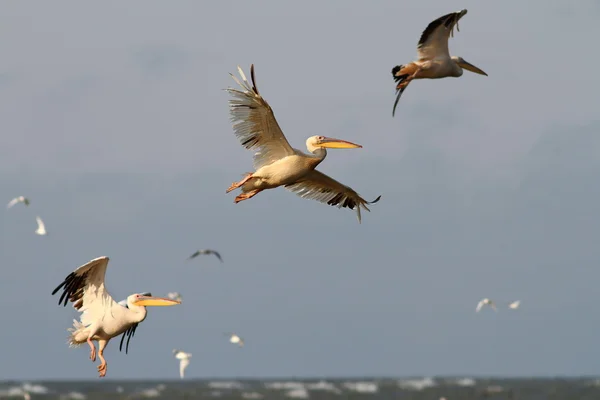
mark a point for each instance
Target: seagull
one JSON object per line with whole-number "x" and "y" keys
{"x": 184, "y": 360}
{"x": 206, "y": 251}
{"x": 514, "y": 305}
{"x": 41, "y": 229}
{"x": 20, "y": 199}
{"x": 235, "y": 339}
{"x": 485, "y": 302}
{"x": 174, "y": 296}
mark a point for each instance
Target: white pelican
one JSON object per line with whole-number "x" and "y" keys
{"x": 235, "y": 339}
{"x": 174, "y": 296}
{"x": 184, "y": 360}
{"x": 102, "y": 318}
{"x": 434, "y": 58}
{"x": 514, "y": 305}
{"x": 20, "y": 199}
{"x": 41, "y": 229}
{"x": 276, "y": 162}
{"x": 485, "y": 302}
{"x": 207, "y": 251}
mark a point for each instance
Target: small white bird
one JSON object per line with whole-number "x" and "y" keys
{"x": 20, "y": 199}
{"x": 184, "y": 360}
{"x": 206, "y": 252}
{"x": 485, "y": 302}
{"x": 41, "y": 229}
{"x": 174, "y": 296}
{"x": 514, "y": 305}
{"x": 235, "y": 339}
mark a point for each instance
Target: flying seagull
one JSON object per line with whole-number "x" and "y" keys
{"x": 174, "y": 296}
{"x": 41, "y": 229}
{"x": 235, "y": 339}
{"x": 485, "y": 302}
{"x": 20, "y": 199}
{"x": 184, "y": 360}
{"x": 206, "y": 251}
{"x": 434, "y": 58}
{"x": 514, "y": 305}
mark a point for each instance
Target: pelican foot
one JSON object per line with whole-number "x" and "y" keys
{"x": 236, "y": 185}
{"x": 246, "y": 196}
{"x": 102, "y": 369}
{"x": 93, "y": 354}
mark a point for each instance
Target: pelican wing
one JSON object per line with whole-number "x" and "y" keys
{"x": 254, "y": 123}
{"x": 433, "y": 43}
{"x": 318, "y": 186}
{"x": 85, "y": 288}
{"x": 129, "y": 333}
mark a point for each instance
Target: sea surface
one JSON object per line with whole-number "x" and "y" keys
{"x": 367, "y": 389}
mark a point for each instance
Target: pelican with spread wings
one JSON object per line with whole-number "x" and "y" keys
{"x": 276, "y": 162}
{"x": 102, "y": 318}
{"x": 434, "y": 57}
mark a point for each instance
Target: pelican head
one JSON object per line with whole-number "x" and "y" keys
{"x": 317, "y": 142}
{"x": 468, "y": 66}
{"x": 145, "y": 300}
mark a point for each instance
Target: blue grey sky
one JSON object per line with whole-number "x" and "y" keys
{"x": 116, "y": 126}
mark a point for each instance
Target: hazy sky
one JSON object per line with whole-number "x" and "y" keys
{"x": 115, "y": 124}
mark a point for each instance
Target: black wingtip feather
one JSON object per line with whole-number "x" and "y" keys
{"x": 374, "y": 201}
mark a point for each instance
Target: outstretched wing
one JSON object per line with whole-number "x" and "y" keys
{"x": 40, "y": 223}
{"x": 85, "y": 288}
{"x": 318, "y": 186}
{"x": 183, "y": 363}
{"x": 216, "y": 253}
{"x": 434, "y": 39}
{"x": 254, "y": 123}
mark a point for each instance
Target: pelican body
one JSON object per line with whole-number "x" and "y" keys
{"x": 276, "y": 162}
{"x": 434, "y": 60}
{"x": 102, "y": 318}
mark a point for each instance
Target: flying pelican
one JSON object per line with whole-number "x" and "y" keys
{"x": 276, "y": 162}
{"x": 41, "y": 229}
{"x": 174, "y": 296}
{"x": 184, "y": 360}
{"x": 514, "y": 305}
{"x": 434, "y": 58}
{"x": 207, "y": 251}
{"x": 102, "y": 318}
{"x": 485, "y": 302}
{"x": 20, "y": 199}
{"x": 235, "y": 339}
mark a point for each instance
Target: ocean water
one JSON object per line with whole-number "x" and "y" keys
{"x": 367, "y": 389}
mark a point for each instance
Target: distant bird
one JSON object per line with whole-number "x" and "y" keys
{"x": 174, "y": 296}
{"x": 276, "y": 162}
{"x": 485, "y": 302}
{"x": 206, "y": 251}
{"x": 184, "y": 360}
{"x": 434, "y": 58}
{"x": 20, "y": 199}
{"x": 41, "y": 229}
{"x": 235, "y": 339}
{"x": 514, "y": 305}
{"x": 102, "y": 318}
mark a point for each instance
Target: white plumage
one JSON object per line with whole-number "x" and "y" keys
{"x": 41, "y": 229}
{"x": 514, "y": 305}
{"x": 184, "y": 361}
{"x": 20, "y": 199}
{"x": 485, "y": 302}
